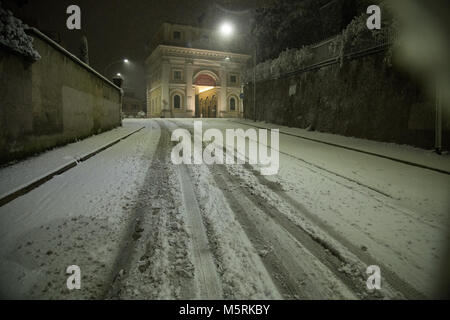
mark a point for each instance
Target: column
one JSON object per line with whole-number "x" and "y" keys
{"x": 148, "y": 97}
{"x": 165, "y": 77}
{"x": 222, "y": 101}
{"x": 190, "y": 94}
{"x": 148, "y": 78}
{"x": 241, "y": 101}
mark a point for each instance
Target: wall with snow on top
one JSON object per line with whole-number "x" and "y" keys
{"x": 364, "y": 98}
{"x": 51, "y": 101}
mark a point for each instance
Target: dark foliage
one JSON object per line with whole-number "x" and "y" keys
{"x": 294, "y": 23}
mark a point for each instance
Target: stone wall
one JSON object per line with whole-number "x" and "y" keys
{"x": 53, "y": 101}
{"x": 364, "y": 98}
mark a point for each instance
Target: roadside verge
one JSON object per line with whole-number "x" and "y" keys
{"x": 412, "y": 161}
{"x": 28, "y": 186}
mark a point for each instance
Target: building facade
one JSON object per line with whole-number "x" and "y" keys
{"x": 186, "y": 78}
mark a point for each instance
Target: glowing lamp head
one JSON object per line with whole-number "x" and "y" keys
{"x": 226, "y": 29}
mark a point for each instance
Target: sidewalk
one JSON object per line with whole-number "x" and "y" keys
{"x": 24, "y": 173}
{"x": 401, "y": 153}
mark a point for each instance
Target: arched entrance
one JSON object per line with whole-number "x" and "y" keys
{"x": 205, "y": 94}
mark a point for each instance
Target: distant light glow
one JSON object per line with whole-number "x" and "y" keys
{"x": 227, "y": 58}
{"x": 126, "y": 60}
{"x": 119, "y": 75}
{"x": 226, "y": 29}
{"x": 202, "y": 89}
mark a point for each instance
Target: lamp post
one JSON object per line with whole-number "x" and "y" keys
{"x": 226, "y": 30}
{"x": 255, "y": 47}
{"x": 254, "y": 77}
{"x": 118, "y": 80}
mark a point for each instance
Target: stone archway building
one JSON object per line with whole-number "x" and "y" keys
{"x": 181, "y": 78}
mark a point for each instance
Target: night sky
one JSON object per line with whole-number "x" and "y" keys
{"x": 121, "y": 28}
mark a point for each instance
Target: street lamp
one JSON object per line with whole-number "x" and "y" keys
{"x": 255, "y": 51}
{"x": 254, "y": 77}
{"x": 226, "y": 29}
{"x": 125, "y": 60}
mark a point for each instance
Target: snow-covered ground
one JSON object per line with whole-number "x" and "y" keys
{"x": 141, "y": 227}
{"x": 402, "y": 152}
{"x": 15, "y": 175}
{"x": 74, "y": 219}
{"x": 381, "y": 211}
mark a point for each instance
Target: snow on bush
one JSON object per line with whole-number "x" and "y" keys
{"x": 13, "y": 36}
{"x": 142, "y": 114}
{"x": 288, "y": 61}
{"x": 355, "y": 37}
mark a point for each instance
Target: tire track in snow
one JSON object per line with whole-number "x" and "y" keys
{"x": 127, "y": 251}
{"x": 156, "y": 251}
{"x": 406, "y": 289}
{"x": 320, "y": 244}
{"x": 294, "y": 265}
{"x": 299, "y": 266}
{"x": 142, "y": 257}
{"x": 206, "y": 272}
{"x": 393, "y": 279}
{"x": 207, "y": 275}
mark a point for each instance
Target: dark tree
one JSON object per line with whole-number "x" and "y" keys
{"x": 294, "y": 23}
{"x": 84, "y": 50}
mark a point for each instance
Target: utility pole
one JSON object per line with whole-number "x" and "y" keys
{"x": 254, "y": 84}
{"x": 254, "y": 69}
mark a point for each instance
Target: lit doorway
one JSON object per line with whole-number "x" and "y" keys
{"x": 207, "y": 102}
{"x": 205, "y": 95}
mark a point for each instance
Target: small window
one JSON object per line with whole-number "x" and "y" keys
{"x": 177, "y": 75}
{"x": 177, "y": 102}
{"x": 176, "y": 35}
{"x": 232, "y": 104}
{"x": 233, "y": 79}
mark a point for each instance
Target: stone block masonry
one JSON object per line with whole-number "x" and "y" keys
{"x": 364, "y": 98}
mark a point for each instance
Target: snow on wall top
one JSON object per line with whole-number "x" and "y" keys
{"x": 13, "y": 36}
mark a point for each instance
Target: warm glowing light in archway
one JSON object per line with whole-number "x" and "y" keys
{"x": 202, "y": 89}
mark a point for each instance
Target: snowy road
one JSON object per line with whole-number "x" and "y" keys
{"x": 141, "y": 227}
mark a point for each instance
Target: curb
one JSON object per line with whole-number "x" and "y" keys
{"x": 410, "y": 163}
{"x": 25, "y": 188}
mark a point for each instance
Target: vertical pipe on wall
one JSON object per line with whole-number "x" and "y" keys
{"x": 438, "y": 121}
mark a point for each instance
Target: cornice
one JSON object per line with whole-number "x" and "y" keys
{"x": 193, "y": 53}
